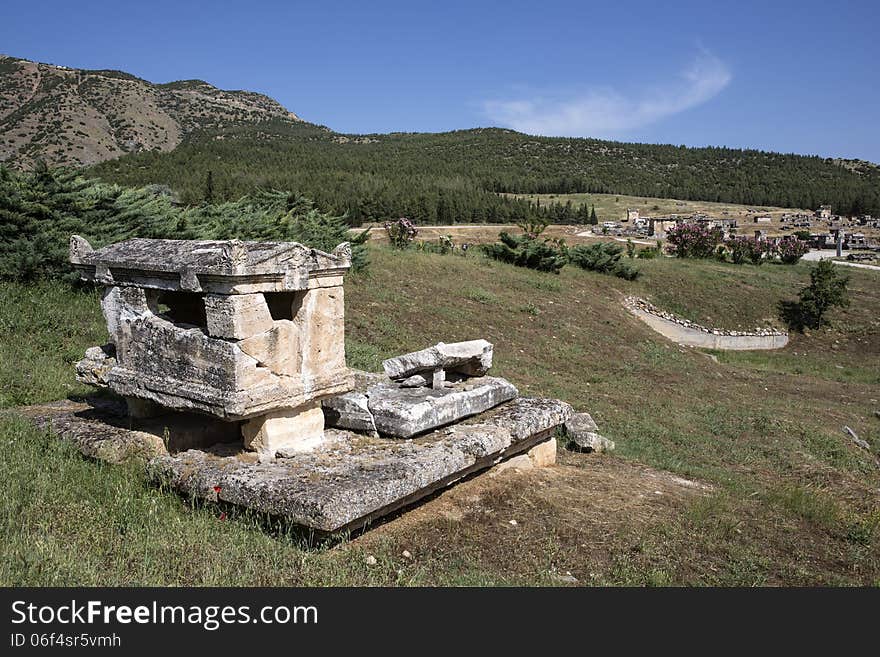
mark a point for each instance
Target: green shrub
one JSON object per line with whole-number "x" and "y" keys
{"x": 528, "y": 251}
{"x": 401, "y": 232}
{"x": 752, "y": 249}
{"x": 604, "y": 258}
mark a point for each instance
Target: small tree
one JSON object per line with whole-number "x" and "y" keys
{"x": 827, "y": 289}
{"x": 209, "y": 187}
{"x": 593, "y": 218}
{"x": 401, "y": 232}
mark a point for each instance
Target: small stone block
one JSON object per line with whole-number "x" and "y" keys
{"x": 543, "y": 454}
{"x": 237, "y": 316}
{"x": 295, "y": 430}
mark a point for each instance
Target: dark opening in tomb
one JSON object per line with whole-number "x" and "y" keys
{"x": 284, "y": 305}
{"x": 182, "y": 308}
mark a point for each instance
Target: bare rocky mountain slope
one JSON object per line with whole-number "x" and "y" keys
{"x": 69, "y": 116}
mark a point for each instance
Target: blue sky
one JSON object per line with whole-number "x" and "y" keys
{"x": 787, "y": 76}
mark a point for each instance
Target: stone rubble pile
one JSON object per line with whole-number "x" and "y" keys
{"x": 636, "y": 303}
{"x": 421, "y": 390}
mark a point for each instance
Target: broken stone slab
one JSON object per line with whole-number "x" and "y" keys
{"x": 94, "y": 368}
{"x": 405, "y": 412}
{"x": 472, "y": 358}
{"x": 98, "y": 430}
{"x": 395, "y": 409}
{"x": 356, "y": 478}
{"x": 349, "y": 411}
{"x": 527, "y": 416}
{"x": 583, "y": 434}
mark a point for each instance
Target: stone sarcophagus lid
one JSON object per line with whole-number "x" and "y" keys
{"x": 249, "y": 332}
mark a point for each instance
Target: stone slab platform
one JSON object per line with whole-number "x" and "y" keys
{"x": 358, "y": 478}
{"x": 345, "y": 486}
{"x": 101, "y": 428}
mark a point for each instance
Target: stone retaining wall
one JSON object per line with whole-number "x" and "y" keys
{"x": 691, "y": 334}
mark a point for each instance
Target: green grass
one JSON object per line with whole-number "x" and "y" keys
{"x": 794, "y": 501}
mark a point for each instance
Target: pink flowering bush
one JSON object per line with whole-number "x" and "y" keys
{"x": 401, "y": 232}
{"x": 693, "y": 240}
{"x": 791, "y": 249}
{"x": 752, "y": 249}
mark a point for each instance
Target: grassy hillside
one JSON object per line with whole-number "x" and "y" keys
{"x": 730, "y": 468}
{"x": 453, "y": 177}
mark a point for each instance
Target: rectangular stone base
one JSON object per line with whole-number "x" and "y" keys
{"x": 349, "y": 481}
{"x": 355, "y": 478}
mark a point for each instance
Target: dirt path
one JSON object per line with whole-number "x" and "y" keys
{"x": 816, "y": 256}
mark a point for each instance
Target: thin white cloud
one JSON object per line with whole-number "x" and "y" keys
{"x": 608, "y": 113}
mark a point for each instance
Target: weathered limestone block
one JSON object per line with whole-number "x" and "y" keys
{"x": 210, "y": 266}
{"x": 414, "y": 381}
{"x": 237, "y": 316}
{"x": 529, "y": 416}
{"x": 543, "y": 454}
{"x": 590, "y": 441}
{"x": 361, "y": 478}
{"x": 119, "y": 304}
{"x": 278, "y": 348}
{"x": 95, "y": 367}
{"x": 473, "y": 358}
{"x": 349, "y": 411}
{"x": 583, "y": 434}
{"x": 195, "y": 326}
{"x": 321, "y": 325}
{"x": 295, "y": 430}
{"x": 404, "y": 412}
{"x": 581, "y": 422}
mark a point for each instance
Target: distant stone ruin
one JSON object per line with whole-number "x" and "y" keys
{"x": 228, "y": 359}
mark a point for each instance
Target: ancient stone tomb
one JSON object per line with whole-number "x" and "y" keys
{"x": 251, "y": 333}
{"x": 230, "y": 359}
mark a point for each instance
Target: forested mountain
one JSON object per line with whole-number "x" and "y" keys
{"x": 453, "y": 177}
{"x": 213, "y": 145}
{"x": 77, "y": 117}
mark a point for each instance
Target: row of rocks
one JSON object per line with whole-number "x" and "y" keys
{"x": 636, "y": 303}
